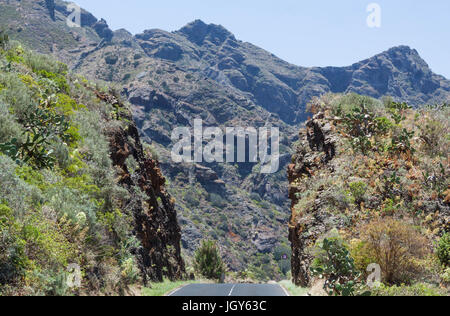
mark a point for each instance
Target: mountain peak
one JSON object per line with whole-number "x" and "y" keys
{"x": 198, "y": 31}
{"x": 403, "y": 49}
{"x": 406, "y": 59}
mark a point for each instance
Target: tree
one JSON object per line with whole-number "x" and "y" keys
{"x": 208, "y": 262}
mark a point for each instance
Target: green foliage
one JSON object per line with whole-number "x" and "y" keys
{"x": 208, "y": 262}
{"x": 39, "y": 129}
{"x": 391, "y": 185}
{"x": 358, "y": 191}
{"x": 45, "y": 65}
{"x": 4, "y": 39}
{"x": 217, "y": 201}
{"x": 334, "y": 263}
{"x": 282, "y": 255}
{"x": 58, "y": 79}
{"x": 14, "y": 55}
{"x": 346, "y": 104}
{"x": 397, "y": 111}
{"x": 419, "y": 289}
{"x": 443, "y": 250}
{"x": 9, "y": 128}
{"x": 360, "y": 125}
{"x": 111, "y": 59}
{"x": 363, "y": 124}
{"x": 11, "y": 184}
{"x": 59, "y": 198}
{"x": 12, "y": 250}
{"x": 401, "y": 142}
{"x": 445, "y": 276}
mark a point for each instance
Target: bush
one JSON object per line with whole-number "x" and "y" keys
{"x": 208, "y": 262}
{"x": 445, "y": 276}
{"x": 334, "y": 263}
{"x": 12, "y": 252}
{"x": 4, "y": 40}
{"x": 432, "y": 133}
{"x": 401, "y": 142}
{"x": 16, "y": 95}
{"x": 397, "y": 247}
{"x": 217, "y": 201}
{"x": 419, "y": 289}
{"x": 9, "y": 128}
{"x": 111, "y": 59}
{"x": 443, "y": 250}
{"x": 45, "y": 64}
{"x": 358, "y": 191}
{"x": 11, "y": 184}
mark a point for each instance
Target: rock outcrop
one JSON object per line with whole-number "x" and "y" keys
{"x": 51, "y": 8}
{"x": 316, "y": 150}
{"x": 155, "y": 217}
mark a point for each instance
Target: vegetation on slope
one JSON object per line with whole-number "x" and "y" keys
{"x": 62, "y": 210}
{"x": 370, "y": 184}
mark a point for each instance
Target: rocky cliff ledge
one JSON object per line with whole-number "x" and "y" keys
{"x": 153, "y": 208}
{"x": 316, "y": 150}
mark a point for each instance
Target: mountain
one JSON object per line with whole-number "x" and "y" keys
{"x": 203, "y": 71}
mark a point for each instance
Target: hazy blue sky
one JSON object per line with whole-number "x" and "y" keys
{"x": 303, "y": 32}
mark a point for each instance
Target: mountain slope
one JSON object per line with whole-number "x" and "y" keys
{"x": 79, "y": 195}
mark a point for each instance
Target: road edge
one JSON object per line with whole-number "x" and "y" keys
{"x": 176, "y": 290}
{"x": 285, "y": 290}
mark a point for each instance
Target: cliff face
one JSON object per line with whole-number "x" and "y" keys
{"x": 155, "y": 217}
{"x": 316, "y": 149}
{"x": 338, "y": 186}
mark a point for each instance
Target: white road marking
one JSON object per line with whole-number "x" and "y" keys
{"x": 285, "y": 291}
{"x": 232, "y": 290}
{"x": 174, "y": 291}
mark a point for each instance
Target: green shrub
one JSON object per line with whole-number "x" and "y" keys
{"x": 12, "y": 249}
{"x": 4, "y": 39}
{"x": 217, "y": 201}
{"x": 445, "y": 276}
{"x": 44, "y": 64}
{"x": 111, "y": 59}
{"x": 397, "y": 110}
{"x": 358, "y": 191}
{"x": 345, "y": 104}
{"x": 16, "y": 96}
{"x": 419, "y": 289}
{"x": 11, "y": 184}
{"x": 334, "y": 263}
{"x": 401, "y": 142}
{"x": 208, "y": 262}
{"x": 9, "y": 128}
{"x": 58, "y": 79}
{"x": 443, "y": 250}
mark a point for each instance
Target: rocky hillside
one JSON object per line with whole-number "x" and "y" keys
{"x": 203, "y": 71}
{"x": 79, "y": 194}
{"x": 365, "y": 169}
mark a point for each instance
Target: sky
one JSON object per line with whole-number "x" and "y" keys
{"x": 303, "y": 32}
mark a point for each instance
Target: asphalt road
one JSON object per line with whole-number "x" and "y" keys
{"x": 250, "y": 290}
